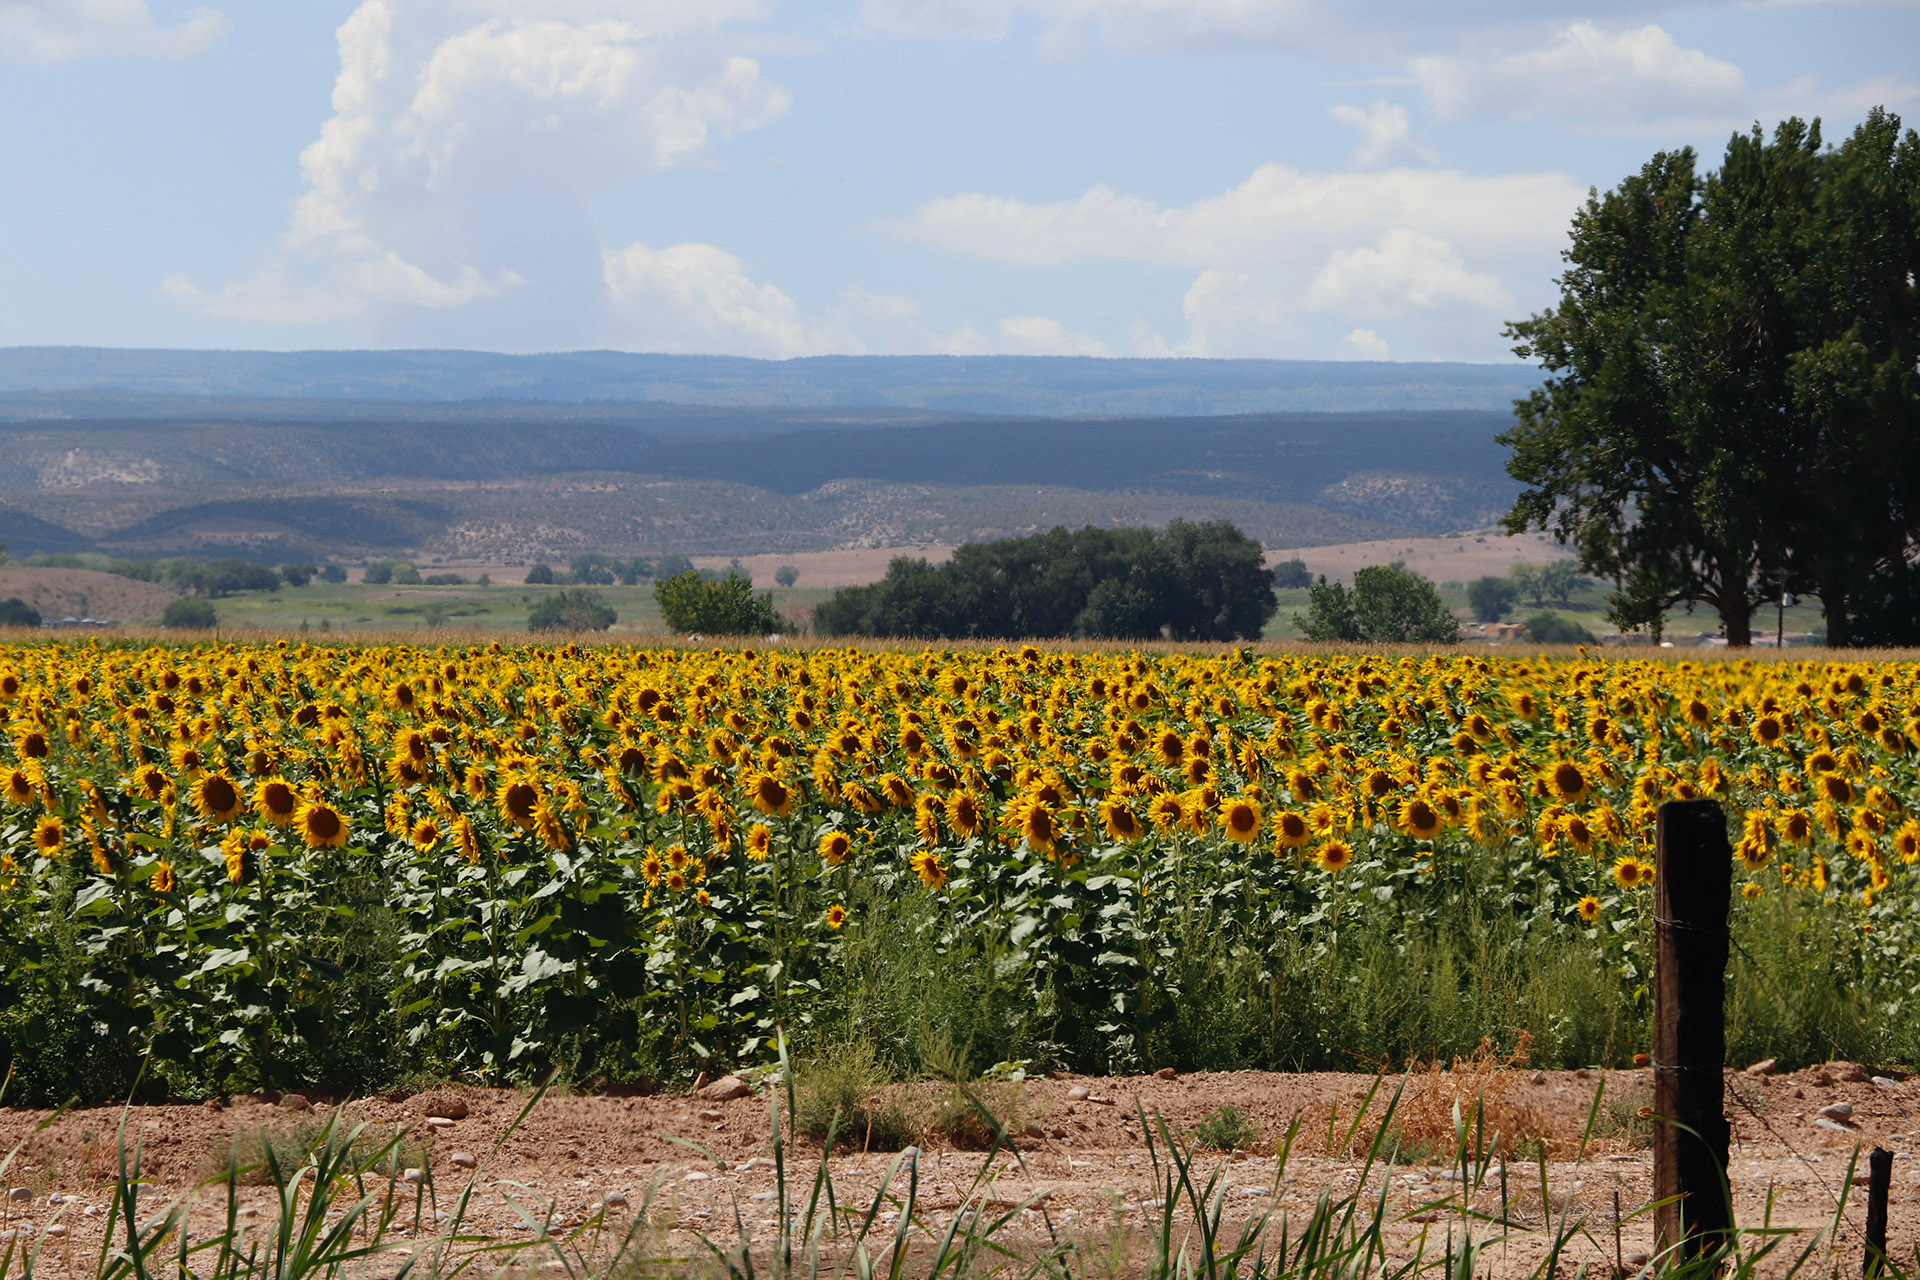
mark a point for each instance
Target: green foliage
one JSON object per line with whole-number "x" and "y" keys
{"x": 843, "y": 1092}
{"x": 1387, "y": 605}
{"x": 334, "y": 573}
{"x": 444, "y": 580}
{"x": 1733, "y": 409}
{"x": 377, "y": 573}
{"x": 691, "y": 605}
{"x": 1227, "y": 1128}
{"x": 1188, "y": 582}
{"x": 1492, "y": 599}
{"x": 672, "y": 566}
{"x": 1291, "y": 575}
{"x": 573, "y": 609}
{"x": 786, "y": 575}
{"x": 1551, "y": 628}
{"x": 298, "y": 575}
{"x": 405, "y": 575}
{"x": 15, "y": 612}
{"x": 540, "y": 575}
{"x": 190, "y": 613}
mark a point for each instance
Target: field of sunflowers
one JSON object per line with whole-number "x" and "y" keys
{"x": 249, "y": 864}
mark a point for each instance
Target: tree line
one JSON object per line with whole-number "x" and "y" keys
{"x": 1186, "y": 582}
{"x": 1732, "y": 412}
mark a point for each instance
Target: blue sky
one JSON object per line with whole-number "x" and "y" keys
{"x": 1293, "y": 178}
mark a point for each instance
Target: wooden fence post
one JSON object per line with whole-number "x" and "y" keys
{"x": 1693, "y": 887}
{"x": 1879, "y": 1182}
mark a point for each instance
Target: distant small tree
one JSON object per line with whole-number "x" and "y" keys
{"x": 671, "y": 566}
{"x": 298, "y": 575}
{"x": 786, "y": 575}
{"x": 190, "y": 613}
{"x": 631, "y": 571}
{"x": 1551, "y": 628}
{"x": 1559, "y": 580}
{"x": 378, "y": 572}
{"x": 333, "y": 572}
{"x": 405, "y": 575}
{"x": 571, "y": 610}
{"x": 1291, "y": 575}
{"x": 1386, "y": 605}
{"x": 1492, "y": 599}
{"x": 15, "y": 612}
{"x": 540, "y": 575}
{"x": 484, "y": 580}
{"x": 594, "y": 570}
{"x": 1530, "y": 582}
{"x": 444, "y": 580}
{"x": 721, "y": 607}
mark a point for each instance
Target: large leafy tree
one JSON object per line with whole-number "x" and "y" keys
{"x": 1729, "y": 406}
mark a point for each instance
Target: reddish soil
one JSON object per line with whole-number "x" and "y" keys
{"x": 1084, "y": 1155}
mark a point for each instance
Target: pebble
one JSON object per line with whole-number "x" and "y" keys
{"x": 614, "y": 1200}
{"x": 758, "y": 1162}
{"x": 295, "y": 1102}
{"x": 56, "y": 1231}
{"x": 1885, "y": 1082}
{"x": 444, "y": 1105}
{"x": 1636, "y": 1260}
{"x": 411, "y": 1175}
{"x": 1835, "y": 1125}
{"x": 1538, "y": 1077}
{"x": 1033, "y": 1130}
{"x": 726, "y": 1088}
{"x": 1764, "y": 1067}
{"x": 21, "y": 1195}
{"x": 463, "y": 1160}
{"x": 439, "y": 1122}
{"x": 57, "y": 1198}
{"x": 1837, "y": 1110}
{"x": 249, "y": 1212}
{"x": 696, "y": 1176}
{"x": 1079, "y": 1093}
{"x": 763, "y": 1196}
{"x": 713, "y": 1116}
{"x": 1165, "y": 1073}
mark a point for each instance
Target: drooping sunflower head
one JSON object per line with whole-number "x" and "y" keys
{"x": 1836, "y": 788}
{"x": 1119, "y": 819}
{"x": 772, "y": 796}
{"x": 1166, "y": 812}
{"x": 424, "y": 834}
{"x": 932, "y": 872}
{"x": 759, "y": 841}
{"x": 964, "y": 815}
{"x": 17, "y": 784}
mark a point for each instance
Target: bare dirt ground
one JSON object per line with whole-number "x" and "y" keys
{"x": 1460, "y": 557}
{"x": 81, "y": 593}
{"x": 691, "y": 1162}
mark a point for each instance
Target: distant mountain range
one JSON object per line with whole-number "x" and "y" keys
{"x": 1049, "y": 386}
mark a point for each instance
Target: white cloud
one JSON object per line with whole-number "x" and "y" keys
{"x": 1848, "y": 104}
{"x": 54, "y": 31}
{"x": 1021, "y": 336}
{"x": 1277, "y": 217}
{"x": 1385, "y": 134}
{"x": 1406, "y": 270}
{"x": 1361, "y": 344}
{"x": 695, "y": 298}
{"x": 1586, "y": 72}
{"x": 448, "y": 197}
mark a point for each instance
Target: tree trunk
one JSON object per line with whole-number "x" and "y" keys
{"x": 1839, "y": 620}
{"x": 1739, "y": 625}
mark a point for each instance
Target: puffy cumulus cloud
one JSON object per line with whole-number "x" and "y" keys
{"x": 447, "y": 198}
{"x": 1274, "y": 218}
{"x": 1021, "y": 336}
{"x": 1385, "y": 134}
{"x": 1586, "y": 72}
{"x": 1283, "y": 252}
{"x": 54, "y": 31}
{"x": 693, "y": 298}
{"x": 1361, "y": 344}
{"x": 1407, "y": 270}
